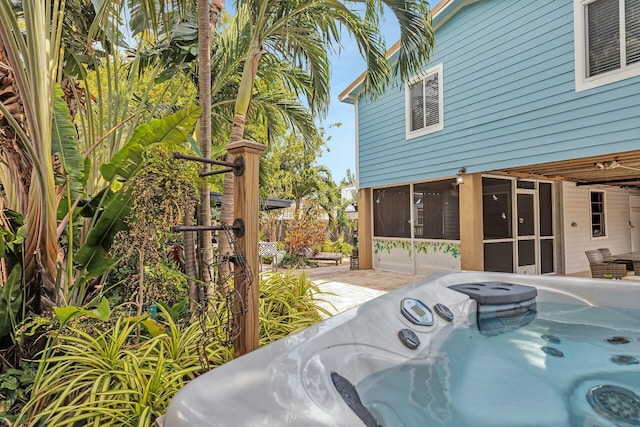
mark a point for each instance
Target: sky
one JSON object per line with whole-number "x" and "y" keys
{"x": 346, "y": 66}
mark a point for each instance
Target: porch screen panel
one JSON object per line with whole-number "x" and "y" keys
{"x": 498, "y": 257}
{"x": 392, "y": 212}
{"x": 526, "y": 252}
{"x": 436, "y": 210}
{"x": 546, "y": 209}
{"x": 632, "y": 30}
{"x": 603, "y": 36}
{"x": 496, "y": 208}
{"x": 546, "y": 256}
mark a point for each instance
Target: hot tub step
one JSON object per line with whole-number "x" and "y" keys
{"x": 350, "y": 396}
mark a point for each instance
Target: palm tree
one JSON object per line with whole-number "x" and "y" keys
{"x": 33, "y": 59}
{"x": 39, "y": 140}
{"x": 301, "y": 31}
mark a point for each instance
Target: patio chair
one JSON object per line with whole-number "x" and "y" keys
{"x": 636, "y": 268}
{"x": 608, "y": 257}
{"x": 268, "y": 249}
{"x": 604, "y": 270}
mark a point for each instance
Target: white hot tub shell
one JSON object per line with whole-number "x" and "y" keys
{"x": 288, "y": 383}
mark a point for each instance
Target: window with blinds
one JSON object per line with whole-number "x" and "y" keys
{"x": 612, "y": 35}
{"x": 424, "y": 103}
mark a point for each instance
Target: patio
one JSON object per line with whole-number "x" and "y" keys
{"x": 345, "y": 288}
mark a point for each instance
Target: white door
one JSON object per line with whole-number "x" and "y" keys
{"x": 634, "y": 223}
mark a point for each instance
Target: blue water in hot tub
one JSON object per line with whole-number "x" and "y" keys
{"x": 538, "y": 375}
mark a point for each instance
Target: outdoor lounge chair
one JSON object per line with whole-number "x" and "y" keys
{"x": 604, "y": 270}
{"x": 608, "y": 257}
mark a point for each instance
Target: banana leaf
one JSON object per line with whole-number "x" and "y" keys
{"x": 173, "y": 130}
{"x": 64, "y": 143}
{"x": 10, "y": 300}
{"x": 94, "y": 256}
{"x": 101, "y": 312}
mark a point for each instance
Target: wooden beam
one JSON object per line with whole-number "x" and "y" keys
{"x": 246, "y": 207}
{"x": 365, "y": 229}
{"x": 471, "y": 225}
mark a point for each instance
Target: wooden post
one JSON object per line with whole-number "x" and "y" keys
{"x": 471, "y": 225}
{"x": 246, "y": 207}
{"x": 365, "y": 229}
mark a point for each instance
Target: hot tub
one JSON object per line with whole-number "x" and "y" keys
{"x": 456, "y": 349}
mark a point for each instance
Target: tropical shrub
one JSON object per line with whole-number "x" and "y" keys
{"x": 339, "y": 246}
{"x": 118, "y": 376}
{"x": 15, "y": 387}
{"x": 163, "y": 193}
{"x": 303, "y": 234}
{"x": 296, "y": 261}
{"x": 288, "y": 304}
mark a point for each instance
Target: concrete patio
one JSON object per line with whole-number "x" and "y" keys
{"x": 344, "y": 288}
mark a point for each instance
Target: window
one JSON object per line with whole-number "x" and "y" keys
{"x": 424, "y": 112}
{"x": 598, "y": 228}
{"x": 437, "y": 210}
{"x": 392, "y": 212}
{"x": 607, "y": 41}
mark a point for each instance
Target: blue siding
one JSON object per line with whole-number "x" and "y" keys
{"x": 509, "y": 100}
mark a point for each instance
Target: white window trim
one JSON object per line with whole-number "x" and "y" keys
{"x": 580, "y": 43}
{"x": 407, "y": 109}
{"x": 604, "y": 211}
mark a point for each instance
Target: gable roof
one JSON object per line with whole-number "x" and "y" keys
{"x": 349, "y": 94}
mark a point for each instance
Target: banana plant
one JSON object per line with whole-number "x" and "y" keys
{"x": 93, "y": 258}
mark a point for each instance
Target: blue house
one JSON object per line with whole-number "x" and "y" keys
{"x": 516, "y": 149}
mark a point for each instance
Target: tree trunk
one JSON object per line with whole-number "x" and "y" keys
{"x": 208, "y": 15}
{"x": 41, "y": 242}
{"x": 13, "y": 152}
{"x": 204, "y": 140}
{"x": 243, "y": 102}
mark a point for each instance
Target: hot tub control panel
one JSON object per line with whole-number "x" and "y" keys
{"x": 416, "y": 312}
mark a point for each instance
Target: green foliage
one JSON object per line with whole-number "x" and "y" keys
{"x": 162, "y": 284}
{"x": 110, "y": 374}
{"x": 296, "y": 261}
{"x": 339, "y": 246}
{"x": 290, "y": 170}
{"x": 163, "y": 193}
{"x": 171, "y": 131}
{"x": 110, "y": 378}
{"x": 15, "y": 388}
{"x": 64, "y": 144}
{"x": 288, "y": 304}
{"x": 10, "y": 301}
{"x": 65, "y": 314}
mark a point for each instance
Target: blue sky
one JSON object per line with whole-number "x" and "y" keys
{"x": 346, "y": 66}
